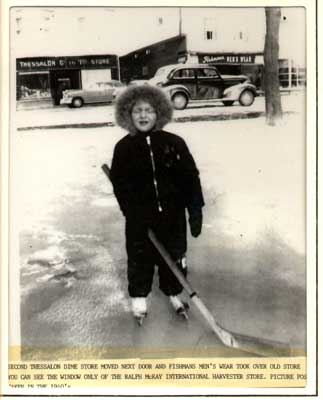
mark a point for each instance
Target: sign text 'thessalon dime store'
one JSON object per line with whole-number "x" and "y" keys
{"x": 44, "y": 77}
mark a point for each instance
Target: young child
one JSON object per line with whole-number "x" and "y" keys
{"x": 155, "y": 180}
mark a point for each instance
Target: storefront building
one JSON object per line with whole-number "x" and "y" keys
{"x": 45, "y": 78}
{"x": 235, "y": 48}
{"x": 252, "y": 65}
{"x": 249, "y": 64}
{"x": 144, "y": 62}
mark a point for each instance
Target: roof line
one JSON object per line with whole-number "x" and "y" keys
{"x": 155, "y": 44}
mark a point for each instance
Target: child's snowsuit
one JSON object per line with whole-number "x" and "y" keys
{"x": 155, "y": 180}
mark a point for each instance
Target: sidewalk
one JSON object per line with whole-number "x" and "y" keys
{"x": 103, "y": 115}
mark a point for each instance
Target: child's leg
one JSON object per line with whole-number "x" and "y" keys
{"x": 168, "y": 283}
{"x": 171, "y": 231}
{"x": 140, "y": 260}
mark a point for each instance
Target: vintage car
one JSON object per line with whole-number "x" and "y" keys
{"x": 138, "y": 82}
{"x": 191, "y": 82}
{"x": 99, "y": 92}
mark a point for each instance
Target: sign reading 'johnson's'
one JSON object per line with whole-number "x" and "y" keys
{"x": 50, "y": 63}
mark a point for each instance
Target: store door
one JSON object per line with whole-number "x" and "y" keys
{"x": 62, "y": 84}
{"x": 63, "y": 80}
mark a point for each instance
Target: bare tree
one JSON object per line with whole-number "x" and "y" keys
{"x": 271, "y": 69}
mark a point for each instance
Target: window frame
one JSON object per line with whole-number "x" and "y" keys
{"x": 209, "y": 35}
{"x": 216, "y": 76}
{"x": 184, "y": 77}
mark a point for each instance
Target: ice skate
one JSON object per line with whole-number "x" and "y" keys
{"x": 179, "y": 306}
{"x": 139, "y": 309}
{"x": 140, "y": 318}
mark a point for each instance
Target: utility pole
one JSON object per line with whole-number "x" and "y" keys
{"x": 180, "y": 21}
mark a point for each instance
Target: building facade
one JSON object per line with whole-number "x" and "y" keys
{"x": 232, "y": 39}
{"x": 143, "y": 63}
{"x": 45, "y": 78}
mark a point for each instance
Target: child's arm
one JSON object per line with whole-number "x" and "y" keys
{"x": 192, "y": 189}
{"x": 121, "y": 182}
{"x": 190, "y": 177}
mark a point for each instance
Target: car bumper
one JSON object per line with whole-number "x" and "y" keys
{"x": 66, "y": 100}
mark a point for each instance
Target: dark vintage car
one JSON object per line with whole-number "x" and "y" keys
{"x": 191, "y": 82}
{"x": 99, "y": 92}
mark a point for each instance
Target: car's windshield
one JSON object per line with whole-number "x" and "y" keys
{"x": 160, "y": 71}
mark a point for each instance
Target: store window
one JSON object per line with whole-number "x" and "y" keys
{"x": 229, "y": 69}
{"x": 33, "y": 85}
{"x": 91, "y": 76}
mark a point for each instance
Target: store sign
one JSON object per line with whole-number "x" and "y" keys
{"x": 50, "y": 63}
{"x": 227, "y": 59}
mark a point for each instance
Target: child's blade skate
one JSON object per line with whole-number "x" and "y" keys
{"x": 182, "y": 311}
{"x": 140, "y": 318}
{"x": 139, "y": 309}
{"x": 179, "y": 306}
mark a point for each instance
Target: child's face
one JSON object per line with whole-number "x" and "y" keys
{"x": 143, "y": 116}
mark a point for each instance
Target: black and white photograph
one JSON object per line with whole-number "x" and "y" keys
{"x": 158, "y": 183}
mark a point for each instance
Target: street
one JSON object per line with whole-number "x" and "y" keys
{"x": 33, "y": 117}
{"x": 248, "y": 265}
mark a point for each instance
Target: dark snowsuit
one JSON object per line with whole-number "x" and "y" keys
{"x": 155, "y": 179}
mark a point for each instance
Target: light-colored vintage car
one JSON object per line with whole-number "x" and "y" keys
{"x": 186, "y": 83}
{"x": 138, "y": 82}
{"x": 99, "y": 92}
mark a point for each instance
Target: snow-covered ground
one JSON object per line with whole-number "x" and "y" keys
{"x": 249, "y": 263}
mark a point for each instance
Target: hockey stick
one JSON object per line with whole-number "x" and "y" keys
{"x": 246, "y": 343}
{"x": 243, "y": 342}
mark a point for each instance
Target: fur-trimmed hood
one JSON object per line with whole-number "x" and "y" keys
{"x": 151, "y": 94}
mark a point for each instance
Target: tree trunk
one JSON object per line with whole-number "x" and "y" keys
{"x": 271, "y": 69}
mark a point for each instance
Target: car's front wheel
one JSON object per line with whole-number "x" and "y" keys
{"x": 77, "y": 102}
{"x": 246, "y": 98}
{"x": 179, "y": 101}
